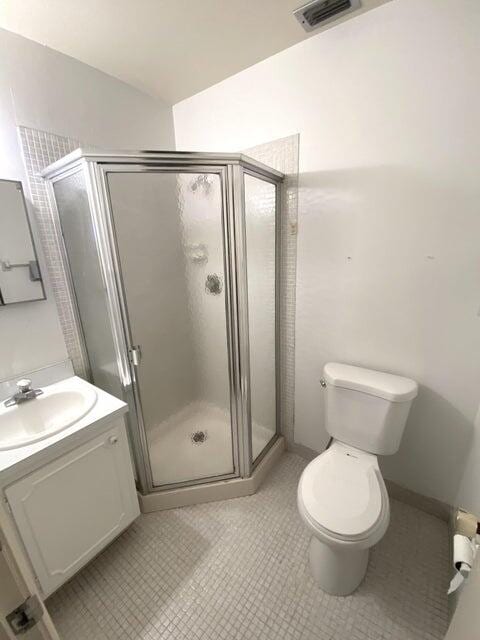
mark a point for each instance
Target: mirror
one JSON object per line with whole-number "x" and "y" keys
{"x": 20, "y": 277}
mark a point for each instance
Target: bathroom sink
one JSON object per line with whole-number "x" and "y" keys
{"x": 60, "y": 406}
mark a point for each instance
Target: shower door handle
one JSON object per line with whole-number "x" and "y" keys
{"x": 135, "y": 354}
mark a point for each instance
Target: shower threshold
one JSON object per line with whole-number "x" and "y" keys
{"x": 213, "y": 491}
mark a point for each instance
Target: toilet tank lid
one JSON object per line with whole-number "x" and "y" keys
{"x": 376, "y": 383}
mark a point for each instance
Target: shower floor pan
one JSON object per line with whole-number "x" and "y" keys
{"x": 196, "y": 443}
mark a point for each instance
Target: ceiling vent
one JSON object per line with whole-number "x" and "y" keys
{"x": 319, "y": 12}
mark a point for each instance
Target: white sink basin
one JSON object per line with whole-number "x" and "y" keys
{"x": 60, "y": 406}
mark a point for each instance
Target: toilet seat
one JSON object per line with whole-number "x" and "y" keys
{"x": 342, "y": 496}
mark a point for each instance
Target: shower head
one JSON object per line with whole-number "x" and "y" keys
{"x": 201, "y": 180}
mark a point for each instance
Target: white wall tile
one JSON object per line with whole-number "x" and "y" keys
{"x": 39, "y": 150}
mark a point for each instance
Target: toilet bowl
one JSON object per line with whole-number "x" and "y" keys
{"x": 344, "y": 503}
{"x": 342, "y": 497}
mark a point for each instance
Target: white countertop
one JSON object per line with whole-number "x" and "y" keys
{"x": 20, "y": 460}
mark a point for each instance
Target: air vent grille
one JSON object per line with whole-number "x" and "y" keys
{"x": 316, "y": 13}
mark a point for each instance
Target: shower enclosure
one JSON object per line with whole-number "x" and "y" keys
{"x": 172, "y": 260}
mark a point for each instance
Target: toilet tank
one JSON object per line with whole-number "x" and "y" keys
{"x": 367, "y": 409}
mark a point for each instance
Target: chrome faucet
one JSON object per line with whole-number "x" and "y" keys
{"x": 24, "y": 393}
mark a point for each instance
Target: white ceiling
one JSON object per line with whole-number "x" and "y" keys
{"x": 168, "y": 48}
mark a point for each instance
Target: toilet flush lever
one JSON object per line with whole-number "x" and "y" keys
{"x": 323, "y": 382}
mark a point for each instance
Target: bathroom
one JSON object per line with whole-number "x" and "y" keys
{"x": 231, "y": 239}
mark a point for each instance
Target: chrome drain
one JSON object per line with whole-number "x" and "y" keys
{"x": 198, "y": 437}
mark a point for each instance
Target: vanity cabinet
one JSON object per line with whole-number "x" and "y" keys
{"x": 67, "y": 511}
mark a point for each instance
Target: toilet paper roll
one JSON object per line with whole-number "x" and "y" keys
{"x": 459, "y": 578}
{"x": 464, "y": 551}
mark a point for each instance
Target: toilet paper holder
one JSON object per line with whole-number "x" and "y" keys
{"x": 464, "y": 547}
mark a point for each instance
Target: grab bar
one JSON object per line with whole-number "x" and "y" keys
{"x": 32, "y": 265}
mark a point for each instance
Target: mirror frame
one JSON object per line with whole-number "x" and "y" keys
{"x": 19, "y": 184}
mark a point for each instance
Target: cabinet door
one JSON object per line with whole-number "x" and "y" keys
{"x": 69, "y": 510}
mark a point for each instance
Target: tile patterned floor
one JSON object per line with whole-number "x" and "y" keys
{"x": 238, "y": 570}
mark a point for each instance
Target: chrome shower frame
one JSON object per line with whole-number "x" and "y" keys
{"x": 95, "y": 165}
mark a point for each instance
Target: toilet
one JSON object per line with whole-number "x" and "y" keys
{"x": 342, "y": 497}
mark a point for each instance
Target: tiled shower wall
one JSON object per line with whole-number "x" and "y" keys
{"x": 39, "y": 150}
{"x": 282, "y": 154}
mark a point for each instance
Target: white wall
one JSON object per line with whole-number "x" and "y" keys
{"x": 42, "y": 89}
{"x": 387, "y": 108}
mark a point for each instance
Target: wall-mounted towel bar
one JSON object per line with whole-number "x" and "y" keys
{"x": 32, "y": 265}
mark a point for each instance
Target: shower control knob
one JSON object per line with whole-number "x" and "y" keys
{"x": 323, "y": 382}
{"x": 113, "y": 440}
{"x": 213, "y": 284}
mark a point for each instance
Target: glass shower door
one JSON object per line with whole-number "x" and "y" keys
{"x": 170, "y": 242}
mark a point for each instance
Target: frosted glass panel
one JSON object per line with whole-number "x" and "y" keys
{"x": 170, "y": 240}
{"x": 260, "y": 234}
{"x": 79, "y": 238}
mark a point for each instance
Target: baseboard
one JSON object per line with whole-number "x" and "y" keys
{"x": 302, "y": 451}
{"x": 214, "y": 491}
{"x": 431, "y": 506}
